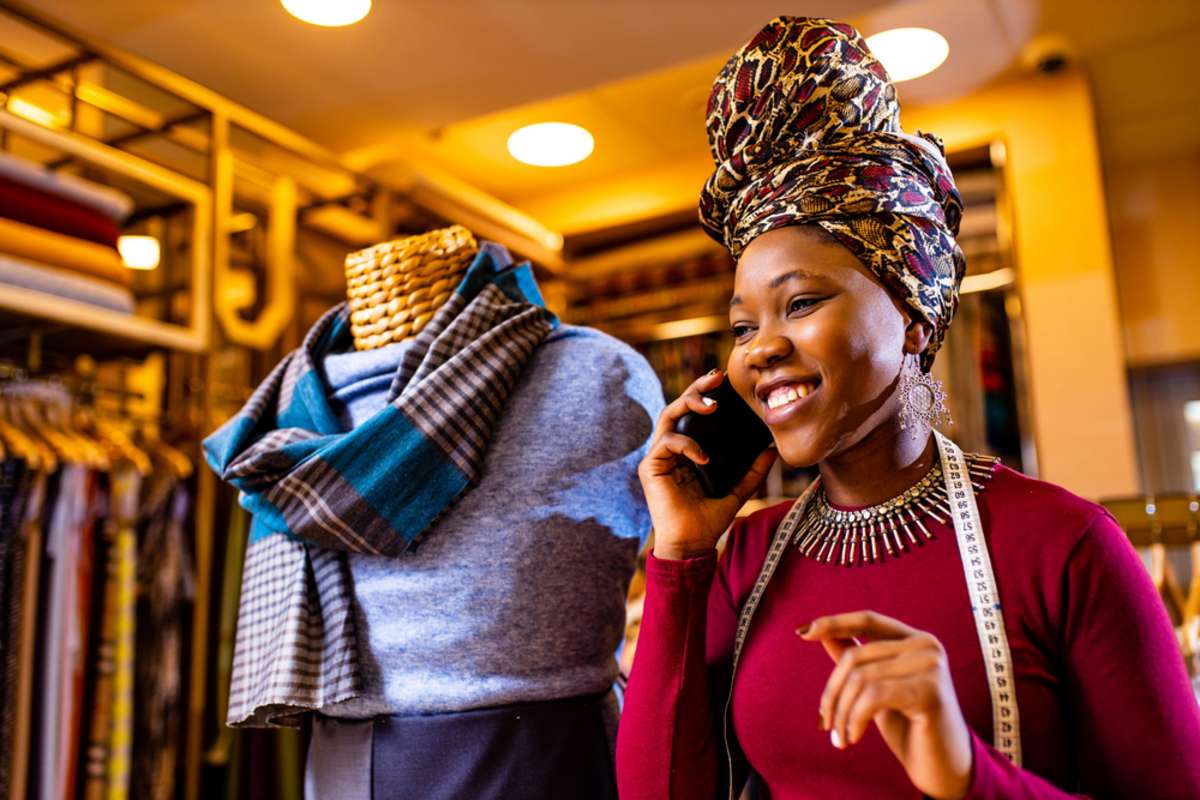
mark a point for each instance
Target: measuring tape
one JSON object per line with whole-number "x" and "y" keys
{"x": 981, "y": 586}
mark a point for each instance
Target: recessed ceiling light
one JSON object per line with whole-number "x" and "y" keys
{"x": 551, "y": 144}
{"x": 328, "y": 13}
{"x": 35, "y": 113}
{"x": 139, "y": 252}
{"x": 908, "y": 53}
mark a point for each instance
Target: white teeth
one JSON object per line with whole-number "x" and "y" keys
{"x": 783, "y": 395}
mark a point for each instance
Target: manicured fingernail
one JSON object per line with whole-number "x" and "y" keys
{"x": 708, "y": 401}
{"x": 836, "y": 739}
{"x": 804, "y": 629}
{"x": 715, "y": 371}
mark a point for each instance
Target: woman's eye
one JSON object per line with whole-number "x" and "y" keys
{"x": 741, "y": 331}
{"x": 800, "y": 304}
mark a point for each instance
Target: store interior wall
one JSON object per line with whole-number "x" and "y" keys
{"x": 1154, "y": 206}
{"x": 1081, "y": 412}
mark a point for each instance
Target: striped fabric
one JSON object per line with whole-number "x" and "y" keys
{"x": 318, "y": 492}
{"x": 126, "y": 486}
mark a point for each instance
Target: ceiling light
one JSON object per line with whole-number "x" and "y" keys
{"x": 551, "y": 144}
{"x": 328, "y": 13}
{"x": 139, "y": 252}
{"x": 35, "y": 113}
{"x": 908, "y": 53}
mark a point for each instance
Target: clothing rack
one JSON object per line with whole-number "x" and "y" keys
{"x": 1165, "y": 528}
{"x": 97, "y": 583}
{"x": 1171, "y": 519}
{"x": 81, "y": 386}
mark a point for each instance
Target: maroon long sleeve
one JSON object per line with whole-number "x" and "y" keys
{"x": 1106, "y": 708}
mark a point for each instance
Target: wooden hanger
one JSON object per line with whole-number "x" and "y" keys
{"x": 121, "y": 444}
{"x": 91, "y": 451}
{"x": 17, "y": 443}
{"x": 1169, "y": 519}
{"x": 1191, "y": 608}
{"x": 174, "y": 459}
{"x": 1167, "y": 584}
{"x": 1153, "y": 523}
{"x": 51, "y": 448}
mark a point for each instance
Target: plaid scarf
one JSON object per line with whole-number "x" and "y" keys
{"x": 318, "y": 492}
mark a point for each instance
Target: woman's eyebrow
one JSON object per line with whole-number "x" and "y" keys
{"x": 776, "y": 282}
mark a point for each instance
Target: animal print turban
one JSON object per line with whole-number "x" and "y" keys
{"x": 804, "y": 127}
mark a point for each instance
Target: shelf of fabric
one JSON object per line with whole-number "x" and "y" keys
{"x": 71, "y": 326}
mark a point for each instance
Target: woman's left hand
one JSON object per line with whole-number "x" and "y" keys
{"x": 896, "y": 676}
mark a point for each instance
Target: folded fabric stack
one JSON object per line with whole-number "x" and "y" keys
{"x": 58, "y": 235}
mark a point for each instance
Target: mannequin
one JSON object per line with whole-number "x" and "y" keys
{"x": 487, "y": 651}
{"x": 394, "y": 288}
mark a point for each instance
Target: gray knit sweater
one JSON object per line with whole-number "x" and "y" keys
{"x": 517, "y": 594}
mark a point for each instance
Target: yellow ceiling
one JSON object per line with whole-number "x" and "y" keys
{"x": 651, "y": 153}
{"x": 427, "y": 85}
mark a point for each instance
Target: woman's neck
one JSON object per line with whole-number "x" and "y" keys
{"x": 879, "y": 467}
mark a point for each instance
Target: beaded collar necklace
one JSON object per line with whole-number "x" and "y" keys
{"x": 830, "y": 534}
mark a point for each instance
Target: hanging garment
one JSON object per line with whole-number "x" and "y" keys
{"x": 15, "y": 486}
{"x": 23, "y": 618}
{"x": 56, "y": 619}
{"x": 165, "y": 587}
{"x": 102, "y": 654}
{"x": 125, "y": 485}
{"x": 224, "y": 749}
{"x": 78, "y": 638}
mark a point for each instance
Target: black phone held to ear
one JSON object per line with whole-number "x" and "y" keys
{"x": 733, "y": 436}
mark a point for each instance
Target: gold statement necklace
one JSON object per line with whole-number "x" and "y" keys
{"x": 830, "y": 534}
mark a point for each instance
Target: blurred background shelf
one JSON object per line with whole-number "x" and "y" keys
{"x": 71, "y": 327}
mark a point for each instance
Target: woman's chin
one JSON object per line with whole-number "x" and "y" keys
{"x": 799, "y": 448}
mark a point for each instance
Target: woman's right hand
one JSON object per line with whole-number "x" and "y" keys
{"x": 688, "y": 523}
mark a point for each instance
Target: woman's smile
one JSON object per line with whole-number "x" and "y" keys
{"x": 783, "y": 398}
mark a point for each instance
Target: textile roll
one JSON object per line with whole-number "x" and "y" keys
{"x": 43, "y": 209}
{"x": 65, "y": 283}
{"x": 26, "y": 241}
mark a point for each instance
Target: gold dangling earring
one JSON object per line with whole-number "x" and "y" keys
{"x": 922, "y": 399}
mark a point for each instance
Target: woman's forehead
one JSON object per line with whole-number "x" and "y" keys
{"x": 796, "y": 253}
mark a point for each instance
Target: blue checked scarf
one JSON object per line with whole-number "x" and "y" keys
{"x": 317, "y": 492}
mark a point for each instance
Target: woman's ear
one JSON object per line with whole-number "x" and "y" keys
{"x": 916, "y": 336}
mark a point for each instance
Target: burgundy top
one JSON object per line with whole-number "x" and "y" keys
{"x": 1105, "y": 704}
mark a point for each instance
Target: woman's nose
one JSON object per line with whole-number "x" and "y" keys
{"x": 768, "y": 350}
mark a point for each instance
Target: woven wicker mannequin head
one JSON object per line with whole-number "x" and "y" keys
{"x": 395, "y": 288}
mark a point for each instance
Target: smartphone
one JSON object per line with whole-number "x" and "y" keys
{"x": 732, "y": 436}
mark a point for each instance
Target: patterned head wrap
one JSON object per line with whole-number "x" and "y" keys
{"x": 804, "y": 127}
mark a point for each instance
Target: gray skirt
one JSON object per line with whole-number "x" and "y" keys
{"x": 529, "y": 751}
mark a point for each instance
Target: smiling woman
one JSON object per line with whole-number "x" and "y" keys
{"x": 1004, "y": 654}
{"x": 829, "y": 334}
